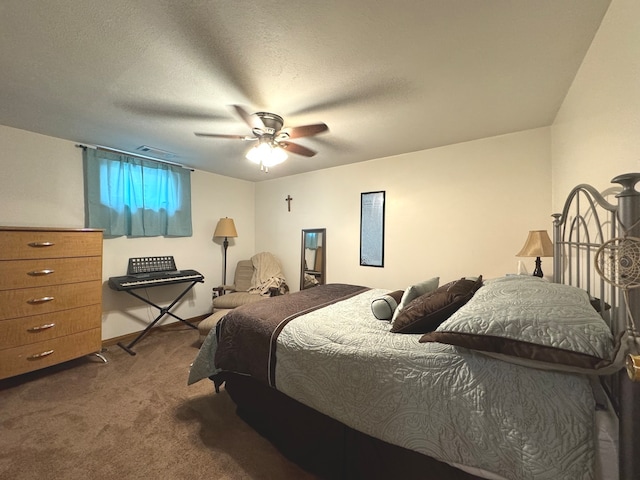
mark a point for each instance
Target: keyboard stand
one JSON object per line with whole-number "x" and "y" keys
{"x": 163, "y": 311}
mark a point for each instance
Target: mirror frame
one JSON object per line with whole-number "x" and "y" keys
{"x": 372, "y": 228}
{"x": 321, "y": 274}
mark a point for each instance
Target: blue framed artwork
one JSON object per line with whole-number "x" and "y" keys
{"x": 372, "y": 229}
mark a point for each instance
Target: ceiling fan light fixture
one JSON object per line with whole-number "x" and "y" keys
{"x": 266, "y": 155}
{"x": 273, "y": 139}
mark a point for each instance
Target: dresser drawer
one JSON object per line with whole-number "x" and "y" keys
{"x": 38, "y": 328}
{"x": 49, "y": 271}
{"x": 16, "y": 245}
{"x": 35, "y": 301}
{"x": 14, "y": 361}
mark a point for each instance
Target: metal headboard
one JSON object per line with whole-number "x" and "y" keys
{"x": 587, "y": 221}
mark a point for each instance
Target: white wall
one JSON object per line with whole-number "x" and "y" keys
{"x": 459, "y": 210}
{"x": 596, "y": 134}
{"x": 43, "y": 186}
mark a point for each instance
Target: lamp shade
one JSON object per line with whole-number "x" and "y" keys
{"x": 225, "y": 228}
{"x": 538, "y": 244}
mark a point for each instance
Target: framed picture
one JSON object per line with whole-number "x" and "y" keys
{"x": 372, "y": 229}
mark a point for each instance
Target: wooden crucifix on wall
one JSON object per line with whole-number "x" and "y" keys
{"x": 288, "y": 200}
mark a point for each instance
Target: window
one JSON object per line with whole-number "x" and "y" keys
{"x": 136, "y": 197}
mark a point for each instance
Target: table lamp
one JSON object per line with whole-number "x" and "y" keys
{"x": 538, "y": 245}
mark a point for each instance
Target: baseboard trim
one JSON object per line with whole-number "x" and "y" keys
{"x": 129, "y": 337}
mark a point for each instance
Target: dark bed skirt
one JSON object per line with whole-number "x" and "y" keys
{"x": 324, "y": 446}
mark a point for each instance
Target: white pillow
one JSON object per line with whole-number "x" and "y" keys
{"x": 384, "y": 306}
{"x": 414, "y": 291}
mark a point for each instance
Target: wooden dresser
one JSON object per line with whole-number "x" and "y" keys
{"x": 50, "y": 296}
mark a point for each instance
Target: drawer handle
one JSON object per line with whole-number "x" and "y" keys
{"x": 41, "y": 244}
{"x": 35, "y": 356}
{"x": 40, "y": 273}
{"x": 35, "y": 301}
{"x": 46, "y": 326}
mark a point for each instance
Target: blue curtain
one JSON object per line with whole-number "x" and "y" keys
{"x": 311, "y": 240}
{"x": 136, "y": 197}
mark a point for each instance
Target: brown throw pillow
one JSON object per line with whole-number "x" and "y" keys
{"x": 427, "y": 312}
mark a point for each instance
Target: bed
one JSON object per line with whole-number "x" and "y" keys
{"x": 506, "y": 378}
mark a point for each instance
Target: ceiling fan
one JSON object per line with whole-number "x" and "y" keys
{"x": 273, "y": 139}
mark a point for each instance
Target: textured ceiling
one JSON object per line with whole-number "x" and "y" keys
{"x": 387, "y": 77}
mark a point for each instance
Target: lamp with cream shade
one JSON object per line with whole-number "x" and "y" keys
{"x": 538, "y": 245}
{"x": 227, "y": 229}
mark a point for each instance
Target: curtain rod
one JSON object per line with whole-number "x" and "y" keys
{"x": 115, "y": 150}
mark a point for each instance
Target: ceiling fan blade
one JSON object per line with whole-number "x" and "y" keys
{"x": 304, "y": 130}
{"x": 252, "y": 120}
{"x": 297, "y": 149}
{"x": 219, "y": 135}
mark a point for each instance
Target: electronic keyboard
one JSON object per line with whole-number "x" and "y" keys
{"x": 151, "y": 272}
{"x": 142, "y": 280}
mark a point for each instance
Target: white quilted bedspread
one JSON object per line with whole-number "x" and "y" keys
{"x": 455, "y": 405}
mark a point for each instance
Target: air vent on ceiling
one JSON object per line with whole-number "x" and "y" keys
{"x": 156, "y": 152}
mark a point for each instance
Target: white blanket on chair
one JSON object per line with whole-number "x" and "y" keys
{"x": 267, "y": 273}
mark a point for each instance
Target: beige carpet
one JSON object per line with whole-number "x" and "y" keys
{"x": 134, "y": 417}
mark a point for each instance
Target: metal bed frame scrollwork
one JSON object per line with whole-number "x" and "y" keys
{"x": 587, "y": 221}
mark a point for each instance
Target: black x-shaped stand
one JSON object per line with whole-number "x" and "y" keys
{"x": 163, "y": 311}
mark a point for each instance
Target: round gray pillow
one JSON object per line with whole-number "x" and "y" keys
{"x": 384, "y": 306}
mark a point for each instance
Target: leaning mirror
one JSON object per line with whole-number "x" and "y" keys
{"x": 313, "y": 263}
